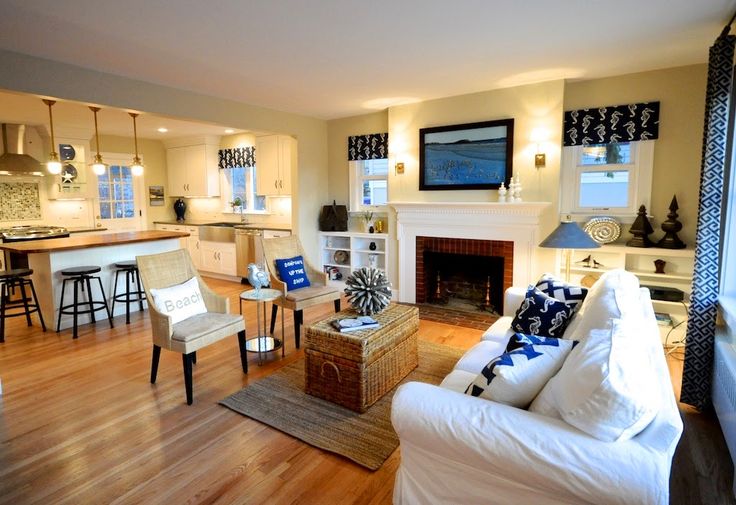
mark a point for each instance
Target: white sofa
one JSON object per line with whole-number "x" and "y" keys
{"x": 461, "y": 449}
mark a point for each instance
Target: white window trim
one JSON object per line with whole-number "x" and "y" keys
{"x": 139, "y": 187}
{"x": 640, "y": 182}
{"x": 356, "y": 189}
{"x": 226, "y": 194}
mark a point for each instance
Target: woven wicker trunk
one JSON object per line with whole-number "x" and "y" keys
{"x": 357, "y": 368}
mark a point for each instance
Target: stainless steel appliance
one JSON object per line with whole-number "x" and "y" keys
{"x": 247, "y": 247}
{"x": 25, "y": 233}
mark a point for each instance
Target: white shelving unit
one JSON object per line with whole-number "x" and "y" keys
{"x": 357, "y": 247}
{"x": 640, "y": 261}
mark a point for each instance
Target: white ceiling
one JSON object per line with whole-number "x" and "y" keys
{"x": 335, "y": 58}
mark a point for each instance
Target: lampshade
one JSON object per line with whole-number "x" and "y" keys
{"x": 569, "y": 235}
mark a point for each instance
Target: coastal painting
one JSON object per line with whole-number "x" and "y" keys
{"x": 466, "y": 156}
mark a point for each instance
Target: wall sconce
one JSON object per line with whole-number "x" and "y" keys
{"x": 538, "y": 136}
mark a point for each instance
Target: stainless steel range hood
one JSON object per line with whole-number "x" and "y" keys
{"x": 13, "y": 161}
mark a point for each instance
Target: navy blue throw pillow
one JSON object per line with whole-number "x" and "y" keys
{"x": 541, "y": 315}
{"x": 519, "y": 340}
{"x": 293, "y": 272}
{"x": 569, "y": 293}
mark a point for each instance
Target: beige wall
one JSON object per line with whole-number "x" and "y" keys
{"x": 42, "y": 77}
{"x": 677, "y": 152}
{"x": 153, "y": 155}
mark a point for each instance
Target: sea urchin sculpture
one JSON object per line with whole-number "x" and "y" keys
{"x": 368, "y": 290}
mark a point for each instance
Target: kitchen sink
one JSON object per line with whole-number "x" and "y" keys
{"x": 217, "y": 232}
{"x": 222, "y": 224}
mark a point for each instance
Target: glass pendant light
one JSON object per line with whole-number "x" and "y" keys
{"x": 136, "y": 168}
{"x": 53, "y": 165}
{"x": 98, "y": 167}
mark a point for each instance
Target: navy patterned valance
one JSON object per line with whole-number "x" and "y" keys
{"x": 617, "y": 123}
{"x": 238, "y": 157}
{"x": 368, "y": 147}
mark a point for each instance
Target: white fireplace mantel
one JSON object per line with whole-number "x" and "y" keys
{"x": 514, "y": 222}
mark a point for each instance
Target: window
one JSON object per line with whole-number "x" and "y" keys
{"x": 241, "y": 184}
{"x": 368, "y": 184}
{"x": 115, "y": 188}
{"x": 614, "y": 179}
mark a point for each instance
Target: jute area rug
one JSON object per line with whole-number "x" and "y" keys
{"x": 368, "y": 439}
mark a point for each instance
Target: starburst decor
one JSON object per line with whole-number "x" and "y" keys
{"x": 368, "y": 290}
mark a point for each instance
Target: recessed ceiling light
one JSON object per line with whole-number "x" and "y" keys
{"x": 229, "y": 130}
{"x": 163, "y": 130}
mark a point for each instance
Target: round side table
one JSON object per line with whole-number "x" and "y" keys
{"x": 263, "y": 342}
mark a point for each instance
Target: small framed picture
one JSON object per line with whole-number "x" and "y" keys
{"x": 156, "y": 196}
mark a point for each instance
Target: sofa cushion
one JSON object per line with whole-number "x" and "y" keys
{"x": 180, "y": 301}
{"x": 458, "y": 380}
{"x": 499, "y": 331}
{"x": 478, "y": 356}
{"x": 540, "y": 314}
{"x": 292, "y": 272}
{"x": 607, "y": 386}
{"x": 615, "y": 295}
{"x": 516, "y": 377}
{"x": 560, "y": 290}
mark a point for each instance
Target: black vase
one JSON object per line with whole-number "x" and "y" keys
{"x": 180, "y": 208}
{"x": 372, "y": 246}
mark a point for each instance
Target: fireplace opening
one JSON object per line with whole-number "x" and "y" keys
{"x": 464, "y": 282}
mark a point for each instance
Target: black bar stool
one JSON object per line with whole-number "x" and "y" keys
{"x": 81, "y": 277}
{"x": 137, "y": 295}
{"x": 9, "y": 281}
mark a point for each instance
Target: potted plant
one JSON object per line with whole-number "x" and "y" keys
{"x": 367, "y": 219}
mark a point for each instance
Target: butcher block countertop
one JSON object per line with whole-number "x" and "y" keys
{"x": 50, "y": 245}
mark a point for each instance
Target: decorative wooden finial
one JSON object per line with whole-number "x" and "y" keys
{"x": 641, "y": 228}
{"x": 670, "y": 227}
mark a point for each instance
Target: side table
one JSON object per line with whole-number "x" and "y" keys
{"x": 263, "y": 342}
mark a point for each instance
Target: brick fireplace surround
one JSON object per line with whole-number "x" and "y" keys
{"x": 488, "y": 248}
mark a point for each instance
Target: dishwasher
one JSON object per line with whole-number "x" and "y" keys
{"x": 247, "y": 243}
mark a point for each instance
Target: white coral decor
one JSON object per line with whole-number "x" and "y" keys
{"x": 368, "y": 290}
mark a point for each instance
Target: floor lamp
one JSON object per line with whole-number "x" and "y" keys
{"x": 569, "y": 236}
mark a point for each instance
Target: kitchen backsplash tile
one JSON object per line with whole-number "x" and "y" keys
{"x": 19, "y": 201}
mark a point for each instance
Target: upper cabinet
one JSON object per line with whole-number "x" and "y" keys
{"x": 275, "y": 158}
{"x": 191, "y": 166}
{"x": 75, "y": 180}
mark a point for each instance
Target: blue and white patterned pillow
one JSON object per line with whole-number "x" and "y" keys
{"x": 569, "y": 293}
{"x": 540, "y": 314}
{"x": 515, "y": 378}
{"x": 518, "y": 340}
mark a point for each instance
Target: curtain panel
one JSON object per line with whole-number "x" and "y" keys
{"x": 368, "y": 147}
{"x": 614, "y": 123}
{"x": 701, "y": 324}
{"x": 238, "y": 157}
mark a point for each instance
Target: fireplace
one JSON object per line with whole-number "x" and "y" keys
{"x": 463, "y": 274}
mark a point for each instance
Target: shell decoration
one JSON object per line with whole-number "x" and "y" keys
{"x": 368, "y": 290}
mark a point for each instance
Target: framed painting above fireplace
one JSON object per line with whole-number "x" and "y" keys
{"x": 466, "y": 156}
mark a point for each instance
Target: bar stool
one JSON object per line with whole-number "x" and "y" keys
{"x": 9, "y": 281}
{"x": 130, "y": 268}
{"x": 81, "y": 276}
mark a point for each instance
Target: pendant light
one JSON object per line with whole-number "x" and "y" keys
{"x": 53, "y": 165}
{"x": 98, "y": 167}
{"x": 136, "y": 168}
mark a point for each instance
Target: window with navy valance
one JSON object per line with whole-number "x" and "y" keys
{"x": 617, "y": 123}
{"x": 368, "y": 147}
{"x": 238, "y": 157}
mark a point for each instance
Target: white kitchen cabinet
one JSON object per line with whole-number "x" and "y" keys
{"x": 190, "y": 243}
{"x": 83, "y": 184}
{"x": 275, "y": 158}
{"x": 218, "y": 257}
{"x": 192, "y": 170}
{"x": 343, "y": 252}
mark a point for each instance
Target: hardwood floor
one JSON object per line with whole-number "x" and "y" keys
{"x": 80, "y": 423}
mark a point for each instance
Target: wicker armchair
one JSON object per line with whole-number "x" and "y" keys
{"x": 299, "y": 299}
{"x": 175, "y": 267}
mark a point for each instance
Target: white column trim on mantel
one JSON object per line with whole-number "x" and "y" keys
{"x": 516, "y": 222}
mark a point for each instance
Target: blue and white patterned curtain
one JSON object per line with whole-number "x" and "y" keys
{"x": 238, "y": 157}
{"x": 701, "y": 324}
{"x": 613, "y": 123}
{"x": 368, "y": 147}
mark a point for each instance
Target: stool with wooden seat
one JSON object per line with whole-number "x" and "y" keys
{"x": 81, "y": 277}
{"x": 10, "y": 280}
{"x": 137, "y": 295}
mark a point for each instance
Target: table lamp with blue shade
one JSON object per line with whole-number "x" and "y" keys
{"x": 569, "y": 236}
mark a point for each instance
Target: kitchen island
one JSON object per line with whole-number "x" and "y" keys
{"x": 49, "y": 256}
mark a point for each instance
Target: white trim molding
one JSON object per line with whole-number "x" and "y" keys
{"x": 517, "y": 222}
